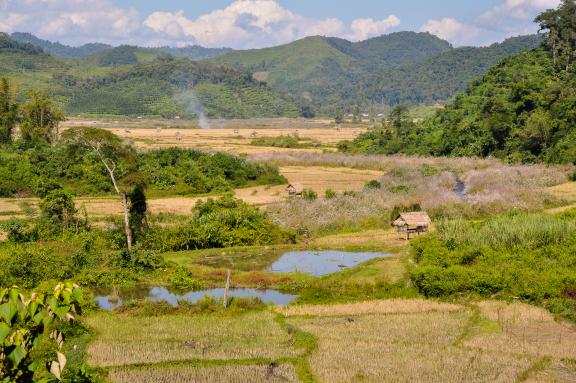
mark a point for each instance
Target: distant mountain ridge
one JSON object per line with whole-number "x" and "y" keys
{"x": 401, "y": 67}
{"x": 194, "y": 52}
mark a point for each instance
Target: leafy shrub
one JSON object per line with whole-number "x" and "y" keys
{"x": 330, "y": 194}
{"x": 374, "y": 184}
{"x": 309, "y": 195}
{"x": 531, "y": 256}
{"x": 225, "y": 222}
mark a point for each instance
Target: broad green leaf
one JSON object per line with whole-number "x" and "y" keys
{"x": 4, "y": 332}
{"x": 62, "y": 311}
{"x": 17, "y": 355}
{"x": 8, "y": 310}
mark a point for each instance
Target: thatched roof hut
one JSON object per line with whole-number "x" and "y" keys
{"x": 414, "y": 222}
{"x": 295, "y": 189}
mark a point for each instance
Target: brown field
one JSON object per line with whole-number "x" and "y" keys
{"x": 193, "y": 374}
{"x": 130, "y": 340}
{"x": 231, "y": 140}
{"x": 424, "y": 341}
{"x": 391, "y": 306}
{"x": 316, "y": 178}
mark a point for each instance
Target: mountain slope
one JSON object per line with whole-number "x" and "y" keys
{"x": 58, "y": 49}
{"x": 129, "y": 81}
{"x": 437, "y": 78}
{"x": 193, "y": 52}
{"x": 403, "y": 67}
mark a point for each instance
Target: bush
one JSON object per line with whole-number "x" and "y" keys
{"x": 330, "y": 194}
{"x": 225, "y": 222}
{"x": 531, "y": 256}
{"x": 374, "y": 184}
{"x": 309, "y": 195}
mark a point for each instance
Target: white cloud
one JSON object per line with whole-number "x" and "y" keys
{"x": 75, "y": 21}
{"x": 364, "y": 28}
{"x": 514, "y": 17}
{"x": 258, "y": 23}
{"x": 452, "y": 30}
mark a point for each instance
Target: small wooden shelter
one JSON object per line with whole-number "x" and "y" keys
{"x": 412, "y": 223}
{"x": 295, "y": 190}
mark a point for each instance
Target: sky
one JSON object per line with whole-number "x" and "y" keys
{"x": 247, "y": 24}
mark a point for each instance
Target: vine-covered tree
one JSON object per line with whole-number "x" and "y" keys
{"x": 8, "y": 111}
{"x": 40, "y": 118}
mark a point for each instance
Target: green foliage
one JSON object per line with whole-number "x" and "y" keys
{"x": 40, "y": 118}
{"x": 225, "y": 222}
{"x": 121, "y": 55}
{"x": 24, "y": 323}
{"x": 309, "y": 195}
{"x": 8, "y": 111}
{"x": 330, "y": 194}
{"x": 374, "y": 184}
{"x": 282, "y": 141}
{"x": 138, "y": 208}
{"x": 57, "y": 213}
{"x": 73, "y": 164}
{"x": 530, "y": 256}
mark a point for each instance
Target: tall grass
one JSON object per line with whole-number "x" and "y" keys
{"x": 491, "y": 187}
{"x": 529, "y": 231}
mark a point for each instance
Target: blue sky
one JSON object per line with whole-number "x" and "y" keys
{"x": 243, "y": 24}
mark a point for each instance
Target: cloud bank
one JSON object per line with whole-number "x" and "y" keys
{"x": 242, "y": 24}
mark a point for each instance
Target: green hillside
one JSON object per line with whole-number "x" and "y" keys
{"x": 521, "y": 110}
{"x": 438, "y": 78}
{"x": 130, "y": 81}
{"x": 403, "y": 67}
{"x": 193, "y": 52}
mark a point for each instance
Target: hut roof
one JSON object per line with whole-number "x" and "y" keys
{"x": 295, "y": 187}
{"x": 419, "y": 218}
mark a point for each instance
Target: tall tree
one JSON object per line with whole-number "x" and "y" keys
{"x": 560, "y": 27}
{"x": 8, "y": 111}
{"x": 114, "y": 155}
{"x": 40, "y": 118}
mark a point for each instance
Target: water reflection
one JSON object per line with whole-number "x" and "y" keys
{"x": 320, "y": 263}
{"x": 110, "y": 300}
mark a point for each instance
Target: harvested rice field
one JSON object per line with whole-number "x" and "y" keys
{"x": 397, "y": 340}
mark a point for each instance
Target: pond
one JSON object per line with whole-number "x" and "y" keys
{"x": 319, "y": 263}
{"x": 109, "y": 301}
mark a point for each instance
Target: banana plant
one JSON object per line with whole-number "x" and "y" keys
{"x": 25, "y": 323}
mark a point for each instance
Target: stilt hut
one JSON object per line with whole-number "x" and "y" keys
{"x": 412, "y": 223}
{"x": 295, "y": 190}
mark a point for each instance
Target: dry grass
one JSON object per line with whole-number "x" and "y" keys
{"x": 193, "y": 374}
{"x": 392, "y": 306}
{"x": 565, "y": 191}
{"x": 523, "y": 329}
{"x": 403, "y": 348}
{"x": 130, "y": 340}
{"x": 490, "y": 188}
{"x": 234, "y": 140}
{"x": 557, "y": 372}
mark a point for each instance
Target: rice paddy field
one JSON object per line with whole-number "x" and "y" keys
{"x": 399, "y": 340}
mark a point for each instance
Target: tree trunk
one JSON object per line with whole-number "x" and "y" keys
{"x": 127, "y": 227}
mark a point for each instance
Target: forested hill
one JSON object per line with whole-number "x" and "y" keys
{"x": 193, "y": 52}
{"x": 521, "y": 110}
{"x": 439, "y": 77}
{"x": 127, "y": 81}
{"x": 403, "y": 67}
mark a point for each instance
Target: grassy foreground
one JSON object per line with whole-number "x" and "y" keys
{"x": 401, "y": 340}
